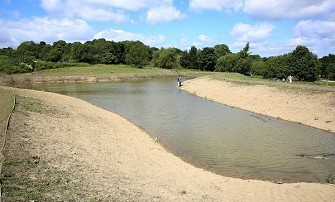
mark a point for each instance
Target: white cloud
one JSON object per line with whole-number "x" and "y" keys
{"x": 112, "y": 10}
{"x": 43, "y": 29}
{"x": 118, "y": 4}
{"x": 163, "y": 14}
{"x": 99, "y": 14}
{"x": 252, "y": 33}
{"x": 215, "y": 4}
{"x": 205, "y": 38}
{"x": 121, "y": 35}
{"x": 281, "y": 9}
{"x": 88, "y": 10}
{"x": 317, "y": 35}
{"x": 205, "y": 41}
{"x": 318, "y": 29}
{"x": 51, "y": 4}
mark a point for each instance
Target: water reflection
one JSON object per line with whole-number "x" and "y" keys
{"x": 226, "y": 140}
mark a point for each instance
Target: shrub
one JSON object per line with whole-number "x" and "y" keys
{"x": 20, "y": 64}
{"x": 331, "y": 178}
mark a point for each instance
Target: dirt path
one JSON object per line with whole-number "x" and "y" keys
{"x": 302, "y": 104}
{"x": 85, "y": 153}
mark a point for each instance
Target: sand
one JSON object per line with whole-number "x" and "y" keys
{"x": 314, "y": 107}
{"x": 117, "y": 161}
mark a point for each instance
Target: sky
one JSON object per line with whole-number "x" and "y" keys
{"x": 272, "y": 27}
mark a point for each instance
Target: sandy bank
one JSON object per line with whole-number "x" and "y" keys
{"x": 302, "y": 105}
{"x": 116, "y": 160}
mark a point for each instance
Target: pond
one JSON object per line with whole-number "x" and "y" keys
{"x": 219, "y": 138}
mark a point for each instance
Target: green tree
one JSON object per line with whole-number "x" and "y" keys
{"x": 89, "y": 53}
{"x": 184, "y": 60}
{"x": 54, "y": 55}
{"x": 304, "y": 64}
{"x": 221, "y": 50}
{"x": 243, "y": 66}
{"x": 28, "y": 48}
{"x": 75, "y": 51}
{"x": 327, "y": 67}
{"x": 244, "y": 53}
{"x": 10, "y": 52}
{"x": 278, "y": 67}
{"x": 43, "y": 50}
{"x": 207, "y": 59}
{"x": 226, "y": 63}
{"x": 189, "y": 59}
{"x": 168, "y": 58}
{"x": 137, "y": 54}
{"x": 258, "y": 67}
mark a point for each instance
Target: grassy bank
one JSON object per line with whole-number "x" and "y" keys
{"x": 96, "y": 73}
{"x": 6, "y": 105}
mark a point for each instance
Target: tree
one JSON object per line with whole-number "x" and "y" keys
{"x": 75, "y": 51}
{"x": 243, "y": 66}
{"x": 221, "y": 50}
{"x": 258, "y": 67}
{"x": 87, "y": 53}
{"x": 54, "y": 55}
{"x": 207, "y": 59}
{"x": 184, "y": 61}
{"x": 193, "y": 58}
{"x": 244, "y": 53}
{"x": 43, "y": 50}
{"x": 28, "y": 48}
{"x": 226, "y": 63}
{"x": 304, "y": 64}
{"x": 277, "y": 67}
{"x": 189, "y": 59}
{"x": 137, "y": 54}
{"x": 327, "y": 69}
{"x": 168, "y": 58}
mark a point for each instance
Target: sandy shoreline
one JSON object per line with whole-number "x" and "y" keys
{"x": 116, "y": 160}
{"x": 316, "y": 109}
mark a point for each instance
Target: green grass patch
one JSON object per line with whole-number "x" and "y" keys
{"x": 91, "y": 70}
{"x": 6, "y": 105}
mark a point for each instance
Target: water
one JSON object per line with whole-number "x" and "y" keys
{"x": 219, "y": 138}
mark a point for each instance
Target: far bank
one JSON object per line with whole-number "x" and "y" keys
{"x": 310, "y": 106}
{"x": 96, "y": 73}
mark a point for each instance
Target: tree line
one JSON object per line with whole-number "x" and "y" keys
{"x": 302, "y": 64}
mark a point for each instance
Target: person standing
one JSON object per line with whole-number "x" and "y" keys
{"x": 179, "y": 81}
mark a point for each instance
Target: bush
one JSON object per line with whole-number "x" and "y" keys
{"x": 331, "y": 178}
{"x": 41, "y": 65}
{"x": 20, "y": 64}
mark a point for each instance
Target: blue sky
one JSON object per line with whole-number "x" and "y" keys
{"x": 272, "y": 27}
